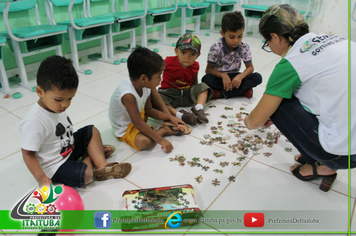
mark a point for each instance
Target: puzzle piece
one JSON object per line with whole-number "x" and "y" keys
{"x": 267, "y": 154}
{"x": 288, "y": 149}
{"x": 232, "y": 178}
{"x": 205, "y": 168}
{"x": 212, "y": 106}
{"x": 206, "y": 136}
{"x": 219, "y": 122}
{"x": 223, "y": 164}
{"x": 228, "y": 108}
{"x": 215, "y": 182}
{"x": 223, "y": 116}
{"x": 241, "y": 158}
{"x": 236, "y": 163}
{"x": 218, "y": 171}
{"x": 208, "y": 160}
{"x": 196, "y": 159}
{"x": 199, "y": 179}
{"x": 219, "y": 154}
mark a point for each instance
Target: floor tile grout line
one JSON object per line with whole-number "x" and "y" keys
{"x": 242, "y": 167}
{"x": 251, "y": 158}
{"x": 133, "y": 183}
{"x": 3, "y": 158}
{"x": 293, "y": 175}
{"x": 93, "y": 97}
{"x": 74, "y": 124}
{"x": 353, "y": 212}
{"x": 136, "y": 151}
{"x": 207, "y": 225}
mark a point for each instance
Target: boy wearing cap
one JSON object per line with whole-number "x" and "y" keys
{"x": 179, "y": 87}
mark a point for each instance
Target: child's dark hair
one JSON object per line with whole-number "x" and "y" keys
{"x": 144, "y": 61}
{"x": 232, "y": 21}
{"x": 57, "y": 72}
{"x": 283, "y": 20}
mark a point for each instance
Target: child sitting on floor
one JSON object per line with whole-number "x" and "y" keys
{"x": 50, "y": 148}
{"x": 180, "y": 86}
{"x": 224, "y": 61}
{"x": 131, "y": 104}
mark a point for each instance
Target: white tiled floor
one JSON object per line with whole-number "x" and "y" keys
{"x": 262, "y": 183}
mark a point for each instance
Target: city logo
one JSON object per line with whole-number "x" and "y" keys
{"x": 174, "y": 220}
{"x": 254, "y": 220}
{"x": 102, "y": 219}
{"x": 307, "y": 46}
{"x": 37, "y": 209}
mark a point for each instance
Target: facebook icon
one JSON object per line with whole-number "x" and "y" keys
{"x": 102, "y": 219}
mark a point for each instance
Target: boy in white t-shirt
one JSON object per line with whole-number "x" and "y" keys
{"x": 135, "y": 99}
{"x": 50, "y": 148}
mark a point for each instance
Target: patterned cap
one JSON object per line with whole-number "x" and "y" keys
{"x": 189, "y": 41}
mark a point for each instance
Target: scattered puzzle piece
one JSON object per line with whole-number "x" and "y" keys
{"x": 215, "y": 182}
{"x": 223, "y": 116}
{"x": 218, "y": 171}
{"x": 267, "y": 154}
{"x": 232, "y": 178}
{"x": 199, "y": 179}
{"x": 228, "y": 108}
{"x": 219, "y": 154}
{"x": 288, "y": 149}
{"x": 223, "y": 164}
{"x": 205, "y": 168}
{"x": 236, "y": 163}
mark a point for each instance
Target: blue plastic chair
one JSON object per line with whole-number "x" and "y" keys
{"x": 219, "y": 6}
{"x": 4, "y": 83}
{"x": 157, "y": 17}
{"x": 255, "y": 11}
{"x": 125, "y": 21}
{"x": 30, "y": 40}
{"x": 82, "y": 30}
{"x": 189, "y": 10}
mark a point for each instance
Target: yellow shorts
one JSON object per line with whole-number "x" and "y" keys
{"x": 131, "y": 133}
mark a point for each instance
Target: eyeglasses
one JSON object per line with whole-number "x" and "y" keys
{"x": 265, "y": 47}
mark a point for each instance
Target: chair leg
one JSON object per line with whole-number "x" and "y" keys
{"x": 74, "y": 52}
{"x": 143, "y": 32}
{"x": 5, "y": 87}
{"x": 212, "y": 18}
{"x": 21, "y": 66}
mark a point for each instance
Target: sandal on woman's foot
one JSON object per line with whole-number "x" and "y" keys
{"x": 109, "y": 153}
{"x": 112, "y": 170}
{"x": 300, "y": 159}
{"x": 326, "y": 183}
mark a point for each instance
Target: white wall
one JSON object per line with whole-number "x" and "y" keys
{"x": 333, "y": 17}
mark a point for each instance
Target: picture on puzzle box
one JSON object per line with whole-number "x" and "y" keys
{"x": 166, "y": 198}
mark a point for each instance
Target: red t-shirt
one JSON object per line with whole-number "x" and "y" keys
{"x": 175, "y": 76}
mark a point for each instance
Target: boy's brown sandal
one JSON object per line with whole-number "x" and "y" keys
{"x": 200, "y": 115}
{"x": 112, "y": 170}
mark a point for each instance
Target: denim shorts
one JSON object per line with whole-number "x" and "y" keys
{"x": 72, "y": 172}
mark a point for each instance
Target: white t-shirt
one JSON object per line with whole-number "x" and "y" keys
{"x": 118, "y": 115}
{"x": 48, "y": 134}
{"x": 315, "y": 70}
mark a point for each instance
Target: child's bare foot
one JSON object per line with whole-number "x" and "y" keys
{"x": 109, "y": 150}
{"x": 174, "y": 130}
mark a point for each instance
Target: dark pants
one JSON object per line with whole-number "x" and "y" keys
{"x": 216, "y": 83}
{"x": 301, "y": 129}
